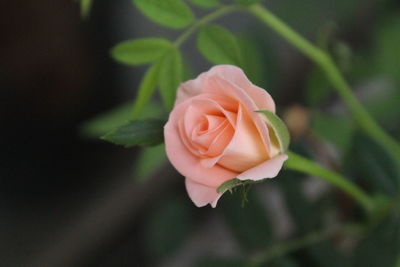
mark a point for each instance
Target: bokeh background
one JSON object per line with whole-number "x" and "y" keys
{"x": 69, "y": 199}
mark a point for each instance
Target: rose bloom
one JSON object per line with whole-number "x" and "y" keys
{"x": 214, "y": 133}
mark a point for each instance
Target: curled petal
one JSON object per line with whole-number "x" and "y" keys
{"x": 267, "y": 169}
{"x": 200, "y": 194}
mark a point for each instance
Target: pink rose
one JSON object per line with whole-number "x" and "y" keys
{"x": 214, "y": 133}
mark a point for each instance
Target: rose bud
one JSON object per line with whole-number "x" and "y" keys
{"x": 223, "y": 127}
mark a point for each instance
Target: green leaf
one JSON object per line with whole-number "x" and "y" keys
{"x": 171, "y": 13}
{"x": 254, "y": 61}
{"x": 218, "y": 45}
{"x": 148, "y": 161}
{"x": 170, "y": 77}
{"x": 206, "y": 3}
{"x": 140, "y": 51}
{"x": 146, "y": 89}
{"x": 229, "y": 185}
{"x": 109, "y": 120}
{"x": 140, "y": 132}
{"x": 279, "y": 130}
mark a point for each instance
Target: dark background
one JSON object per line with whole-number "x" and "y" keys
{"x": 69, "y": 200}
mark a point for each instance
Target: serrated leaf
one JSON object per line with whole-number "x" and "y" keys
{"x": 109, "y": 120}
{"x": 218, "y": 45}
{"x": 139, "y": 132}
{"x": 206, "y": 3}
{"x": 140, "y": 51}
{"x": 146, "y": 89}
{"x": 229, "y": 185}
{"x": 279, "y": 129}
{"x": 171, "y": 13}
{"x": 170, "y": 76}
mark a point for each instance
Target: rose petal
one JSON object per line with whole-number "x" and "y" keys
{"x": 268, "y": 169}
{"x": 184, "y": 161}
{"x": 246, "y": 149}
{"x": 233, "y": 74}
{"x": 204, "y": 105}
{"x": 205, "y": 138}
{"x": 222, "y": 87}
{"x": 202, "y": 195}
{"x": 217, "y": 147}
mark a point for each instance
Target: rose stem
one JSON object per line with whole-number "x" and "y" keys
{"x": 363, "y": 118}
{"x": 149, "y": 86}
{"x": 204, "y": 20}
{"x": 286, "y": 247}
{"x": 304, "y": 165}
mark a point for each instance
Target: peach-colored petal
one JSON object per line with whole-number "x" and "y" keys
{"x": 246, "y": 149}
{"x": 235, "y": 75}
{"x": 206, "y": 104}
{"x": 202, "y": 195}
{"x": 214, "y": 133}
{"x": 223, "y": 87}
{"x": 216, "y": 149}
{"x": 262, "y": 98}
{"x": 268, "y": 169}
{"x": 205, "y": 137}
{"x": 185, "y": 161}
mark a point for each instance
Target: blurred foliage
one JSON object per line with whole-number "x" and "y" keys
{"x": 381, "y": 246}
{"x": 137, "y": 133}
{"x": 336, "y": 130}
{"x": 249, "y": 224}
{"x": 367, "y": 160}
{"x": 171, "y": 73}
{"x": 371, "y": 62}
{"x": 148, "y": 161}
{"x": 140, "y": 51}
{"x": 218, "y": 45}
{"x": 170, "y": 13}
{"x": 160, "y": 239}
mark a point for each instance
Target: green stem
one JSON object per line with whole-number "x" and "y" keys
{"x": 204, "y": 20}
{"x": 263, "y": 257}
{"x": 285, "y": 248}
{"x": 301, "y": 164}
{"x": 149, "y": 81}
{"x": 362, "y": 117}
